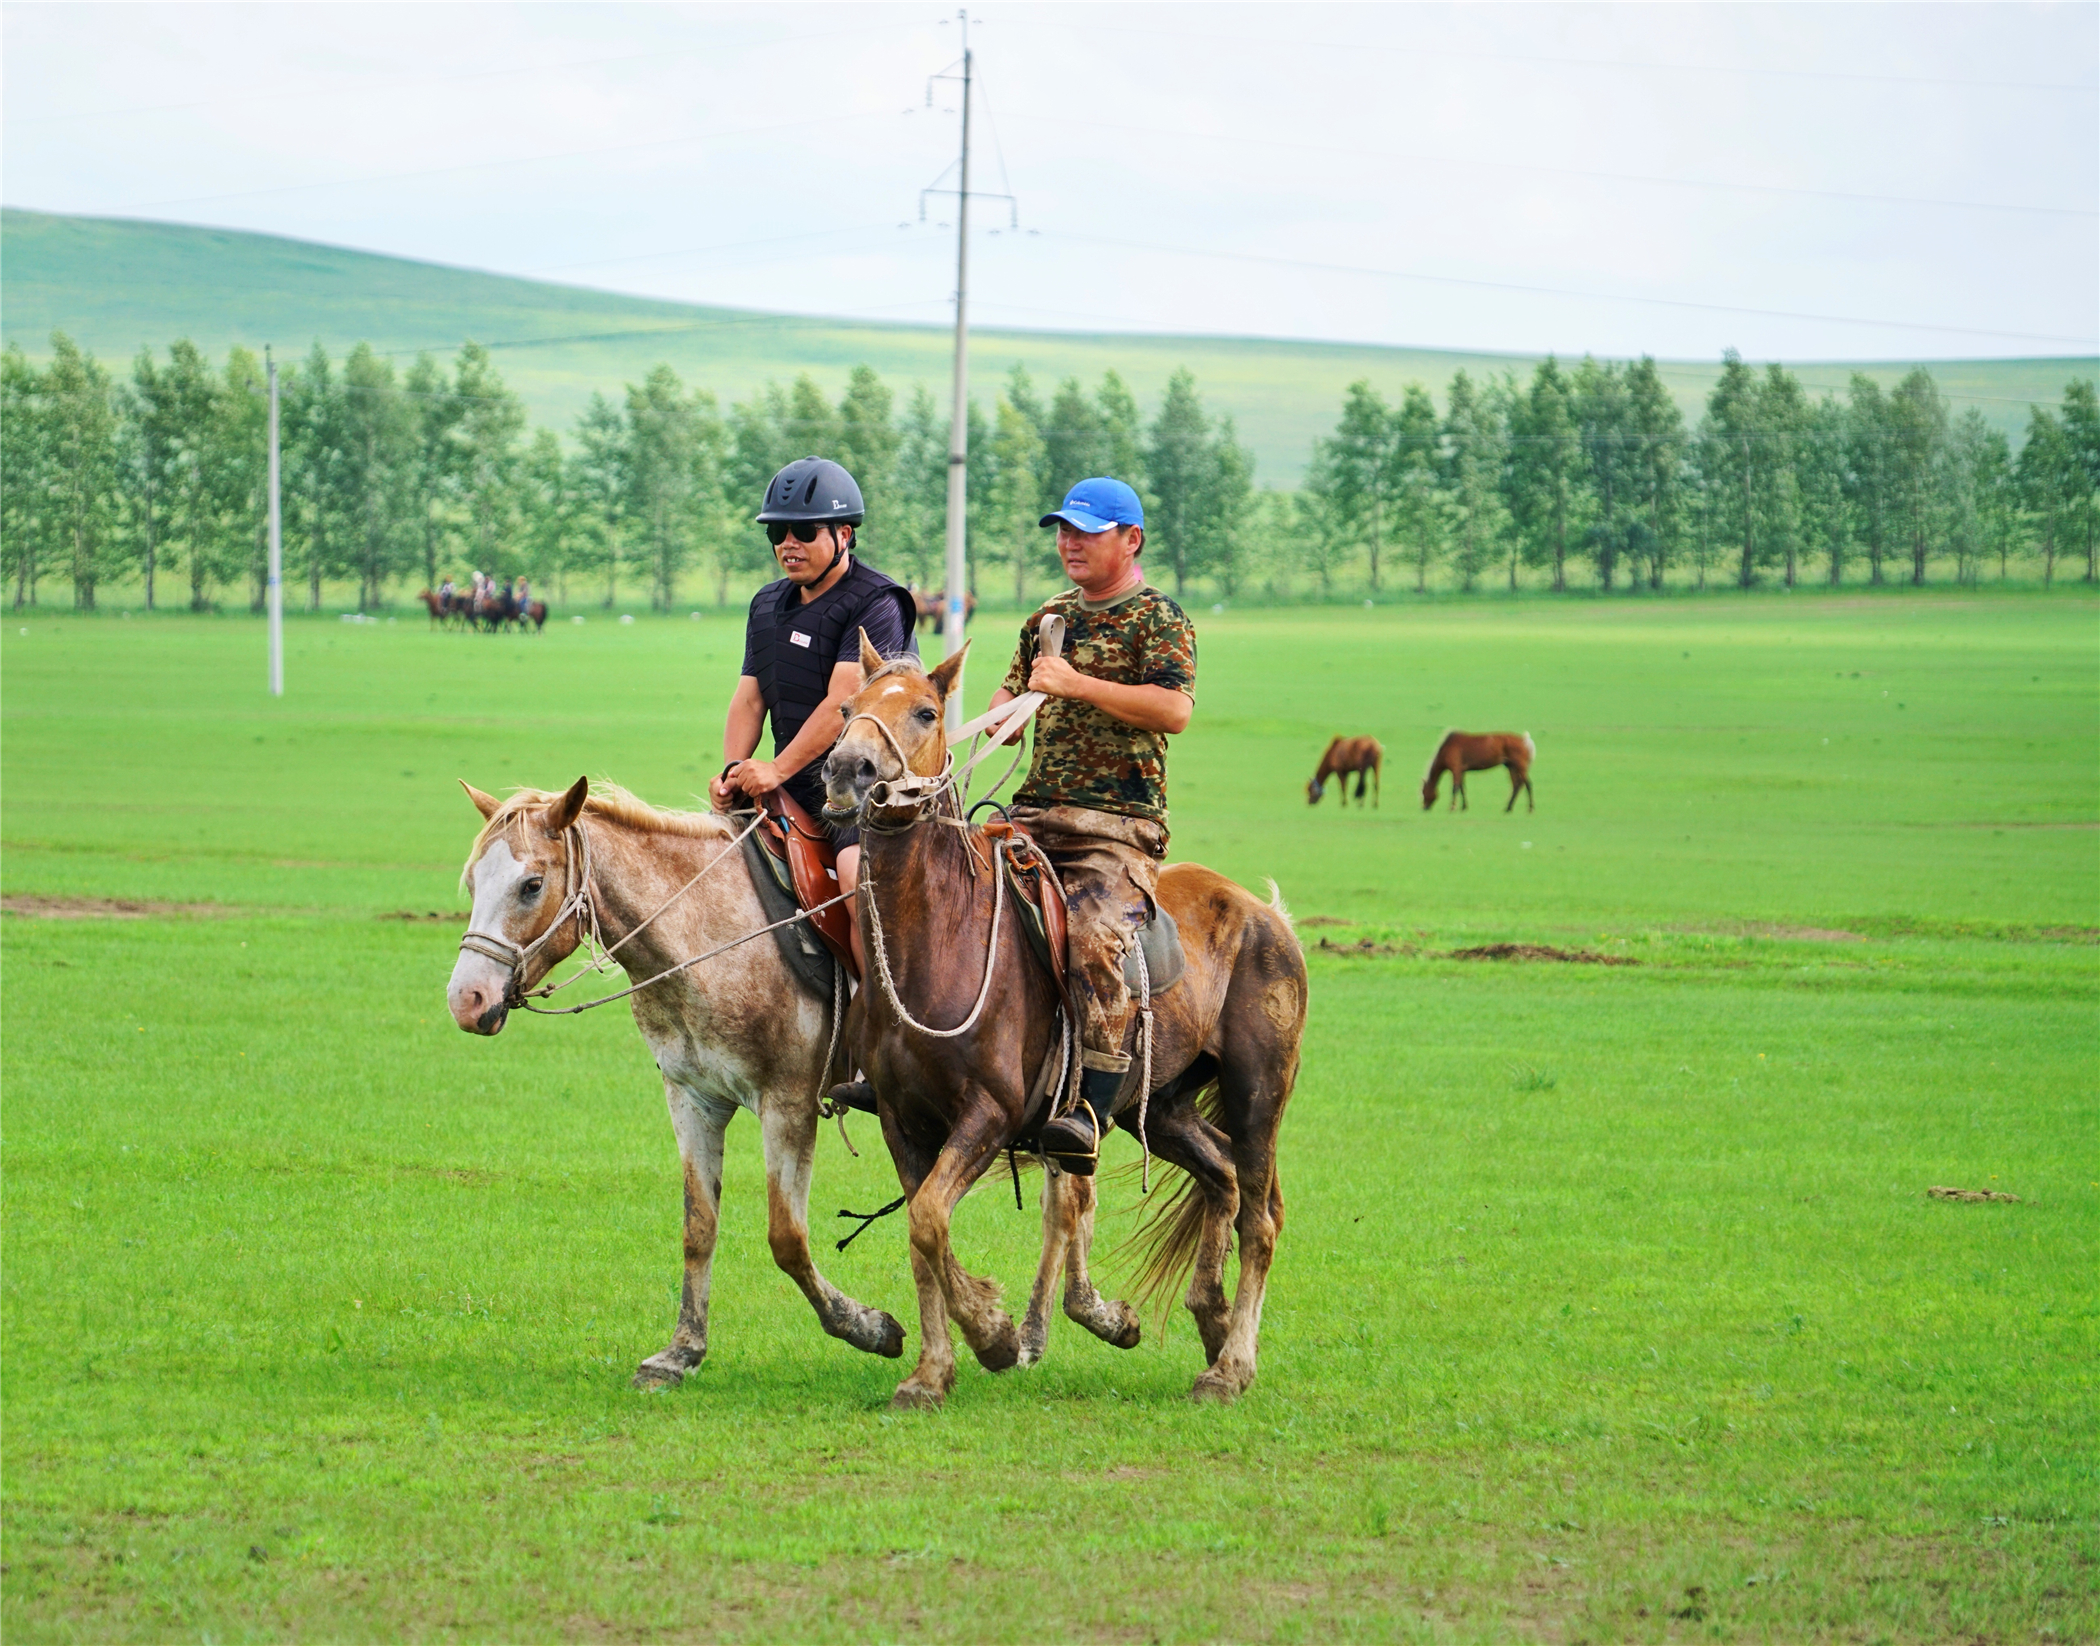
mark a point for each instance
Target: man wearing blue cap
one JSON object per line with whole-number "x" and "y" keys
{"x": 1095, "y": 797}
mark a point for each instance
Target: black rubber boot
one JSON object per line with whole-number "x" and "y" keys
{"x": 1073, "y": 1140}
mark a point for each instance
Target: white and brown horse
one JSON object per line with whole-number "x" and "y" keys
{"x": 953, "y": 1080}
{"x": 1462, "y": 752}
{"x": 734, "y": 1033}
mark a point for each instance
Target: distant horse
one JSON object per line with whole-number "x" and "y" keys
{"x": 1344, "y": 755}
{"x": 932, "y": 606}
{"x": 443, "y": 608}
{"x": 1462, "y": 752}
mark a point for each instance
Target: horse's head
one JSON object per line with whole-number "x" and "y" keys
{"x": 1313, "y": 791}
{"x": 893, "y": 727}
{"x": 1429, "y": 790}
{"x": 520, "y": 874}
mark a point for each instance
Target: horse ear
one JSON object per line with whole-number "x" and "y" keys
{"x": 568, "y": 807}
{"x": 944, "y": 674}
{"x": 870, "y": 658}
{"x": 486, "y": 804}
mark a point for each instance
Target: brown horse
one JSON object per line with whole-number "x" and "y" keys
{"x": 737, "y": 1033}
{"x": 442, "y": 608}
{"x": 954, "y": 1080}
{"x": 1462, "y": 752}
{"x": 932, "y": 606}
{"x": 1344, "y": 755}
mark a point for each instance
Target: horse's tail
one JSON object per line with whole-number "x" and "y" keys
{"x": 1169, "y": 1230}
{"x": 1531, "y": 750}
{"x": 1281, "y": 910}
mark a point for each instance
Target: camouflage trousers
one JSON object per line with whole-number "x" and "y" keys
{"x": 1109, "y": 866}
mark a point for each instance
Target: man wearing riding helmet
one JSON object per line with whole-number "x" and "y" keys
{"x": 802, "y": 649}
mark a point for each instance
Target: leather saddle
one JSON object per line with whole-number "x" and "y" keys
{"x": 804, "y": 864}
{"x": 1040, "y": 897}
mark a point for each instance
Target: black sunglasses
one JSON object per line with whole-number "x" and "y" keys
{"x": 805, "y": 531}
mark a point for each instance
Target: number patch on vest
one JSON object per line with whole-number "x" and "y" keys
{"x": 798, "y": 638}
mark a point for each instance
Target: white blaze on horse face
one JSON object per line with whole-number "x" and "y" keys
{"x": 477, "y": 981}
{"x": 891, "y": 703}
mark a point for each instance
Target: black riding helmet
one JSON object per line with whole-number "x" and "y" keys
{"x": 812, "y": 489}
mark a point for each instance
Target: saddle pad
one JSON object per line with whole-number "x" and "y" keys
{"x": 1160, "y": 938}
{"x": 806, "y": 956}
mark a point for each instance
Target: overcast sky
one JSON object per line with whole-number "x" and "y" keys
{"x": 1819, "y": 182}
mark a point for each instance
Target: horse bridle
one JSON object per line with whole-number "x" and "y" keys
{"x": 576, "y": 904}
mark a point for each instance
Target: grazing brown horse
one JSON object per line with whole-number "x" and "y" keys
{"x": 1344, "y": 755}
{"x": 1462, "y": 752}
{"x": 962, "y": 1026}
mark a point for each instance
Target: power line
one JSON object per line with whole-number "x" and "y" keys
{"x": 1561, "y": 291}
{"x": 1610, "y": 63}
{"x": 1850, "y": 195}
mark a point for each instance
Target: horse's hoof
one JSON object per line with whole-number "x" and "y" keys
{"x": 1003, "y": 1353}
{"x": 667, "y": 1369}
{"x": 916, "y": 1397}
{"x": 1215, "y": 1388}
{"x": 1129, "y": 1331}
{"x": 889, "y": 1342}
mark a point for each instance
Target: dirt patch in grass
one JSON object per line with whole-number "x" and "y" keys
{"x": 429, "y": 918}
{"x": 1540, "y": 951}
{"x": 1320, "y": 920}
{"x": 1940, "y": 1191}
{"x": 1364, "y": 946}
{"x": 37, "y": 907}
{"x": 1809, "y": 934}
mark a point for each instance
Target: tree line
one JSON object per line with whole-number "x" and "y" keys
{"x": 1597, "y": 468}
{"x": 395, "y": 475}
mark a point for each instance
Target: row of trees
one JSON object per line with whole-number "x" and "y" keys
{"x": 1597, "y": 466}
{"x": 393, "y": 475}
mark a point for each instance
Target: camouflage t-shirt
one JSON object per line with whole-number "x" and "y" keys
{"x": 1083, "y": 756}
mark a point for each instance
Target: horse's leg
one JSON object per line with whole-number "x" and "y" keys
{"x": 1057, "y": 1234}
{"x": 1516, "y": 785}
{"x": 972, "y": 1303}
{"x": 1116, "y": 1324}
{"x": 1531, "y": 803}
{"x": 1377, "y": 782}
{"x": 1458, "y": 790}
{"x": 934, "y": 1375}
{"x": 1254, "y": 1085}
{"x": 789, "y": 1125}
{"x": 1182, "y": 1137}
{"x": 698, "y": 1122}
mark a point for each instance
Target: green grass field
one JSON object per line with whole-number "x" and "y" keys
{"x": 116, "y": 285}
{"x": 1610, "y": 1303}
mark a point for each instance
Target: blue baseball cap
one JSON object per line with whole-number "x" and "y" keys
{"x": 1097, "y": 504}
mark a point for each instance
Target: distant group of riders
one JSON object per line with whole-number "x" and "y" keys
{"x": 485, "y": 604}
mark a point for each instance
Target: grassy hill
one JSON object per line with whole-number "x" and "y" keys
{"x": 116, "y": 285}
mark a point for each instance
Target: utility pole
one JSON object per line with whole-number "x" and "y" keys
{"x": 959, "y": 424}
{"x": 276, "y": 544}
{"x": 956, "y": 596}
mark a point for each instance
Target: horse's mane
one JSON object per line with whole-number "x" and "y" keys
{"x": 606, "y": 800}
{"x": 1440, "y": 742}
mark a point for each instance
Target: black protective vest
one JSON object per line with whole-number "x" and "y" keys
{"x": 793, "y": 677}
